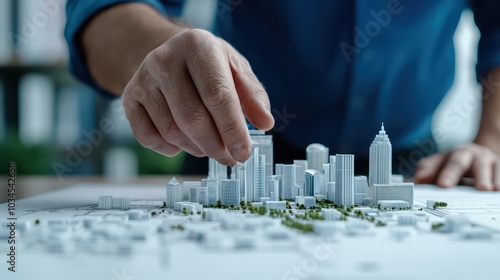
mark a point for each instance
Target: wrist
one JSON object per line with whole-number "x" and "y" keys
{"x": 116, "y": 41}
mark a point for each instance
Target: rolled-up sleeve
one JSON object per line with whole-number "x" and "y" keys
{"x": 80, "y": 12}
{"x": 486, "y": 15}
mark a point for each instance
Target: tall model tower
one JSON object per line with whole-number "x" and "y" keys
{"x": 380, "y": 159}
{"x": 344, "y": 181}
{"x": 265, "y": 144}
{"x": 255, "y": 175}
{"x": 174, "y": 192}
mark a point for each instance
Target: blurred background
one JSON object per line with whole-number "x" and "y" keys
{"x": 50, "y": 124}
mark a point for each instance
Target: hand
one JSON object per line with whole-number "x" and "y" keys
{"x": 446, "y": 169}
{"x": 192, "y": 93}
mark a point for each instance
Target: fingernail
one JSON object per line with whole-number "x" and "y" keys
{"x": 240, "y": 152}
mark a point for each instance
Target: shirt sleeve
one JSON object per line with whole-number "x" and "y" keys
{"x": 488, "y": 21}
{"x": 80, "y": 12}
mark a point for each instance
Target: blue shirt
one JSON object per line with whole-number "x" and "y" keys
{"x": 335, "y": 70}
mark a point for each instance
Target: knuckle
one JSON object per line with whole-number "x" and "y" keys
{"x": 463, "y": 150}
{"x": 165, "y": 52}
{"x": 195, "y": 122}
{"x": 461, "y": 155}
{"x": 201, "y": 48}
{"x": 142, "y": 77}
{"x": 156, "y": 55}
{"x": 141, "y": 83}
{"x": 229, "y": 128}
{"x": 161, "y": 62}
{"x": 197, "y": 38}
{"x": 241, "y": 64}
{"x": 454, "y": 164}
{"x": 216, "y": 94}
{"x": 163, "y": 57}
{"x": 128, "y": 102}
{"x": 459, "y": 164}
{"x": 170, "y": 131}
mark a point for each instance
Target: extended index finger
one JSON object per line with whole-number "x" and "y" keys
{"x": 211, "y": 74}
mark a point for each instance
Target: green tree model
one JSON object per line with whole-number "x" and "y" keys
{"x": 439, "y": 204}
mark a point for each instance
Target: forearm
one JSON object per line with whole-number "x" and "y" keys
{"x": 489, "y": 129}
{"x": 117, "y": 40}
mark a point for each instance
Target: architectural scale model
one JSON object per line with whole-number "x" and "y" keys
{"x": 323, "y": 178}
{"x": 311, "y": 219}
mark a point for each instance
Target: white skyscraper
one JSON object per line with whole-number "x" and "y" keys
{"x": 360, "y": 189}
{"x": 326, "y": 171}
{"x": 212, "y": 190}
{"x": 381, "y": 187}
{"x": 344, "y": 181}
{"x": 380, "y": 168}
{"x": 238, "y": 172}
{"x": 230, "y": 192}
{"x": 317, "y": 155}
{"x": 174, "y": 192}
{"x": 289, "y": 181}
{"x": 301, "y": 167}
{"x": 249, "y": 178}
{"x": 270, "y": 186}
{"x": 265, "y": 144}
{"x": 255, "y": 176}
{"x": 275, "y": 189}
{"x": 203, "y": 195}
{"x": 259, "y": 182}
{"x": 330, "y": 191}
{"x": 186, "y": 188}
{"x": 311, "y": 180}
{"x": 194, "y": 194}
{"x": 331, "y": 178}
{"x": 216, "y": 170}
{"x": 278, "y": 170}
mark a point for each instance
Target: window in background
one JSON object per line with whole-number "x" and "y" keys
{"x": 5, "y": 32}
{"x": 122, "y": 133}
{"x": 120, "y": 163}
{"x": 36, "y": 100}
{"x": 41, "y": 25}
{"x": 68, "y": 117}
{"x": 2, "y": 112}
{"x": 200, "y": 13}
